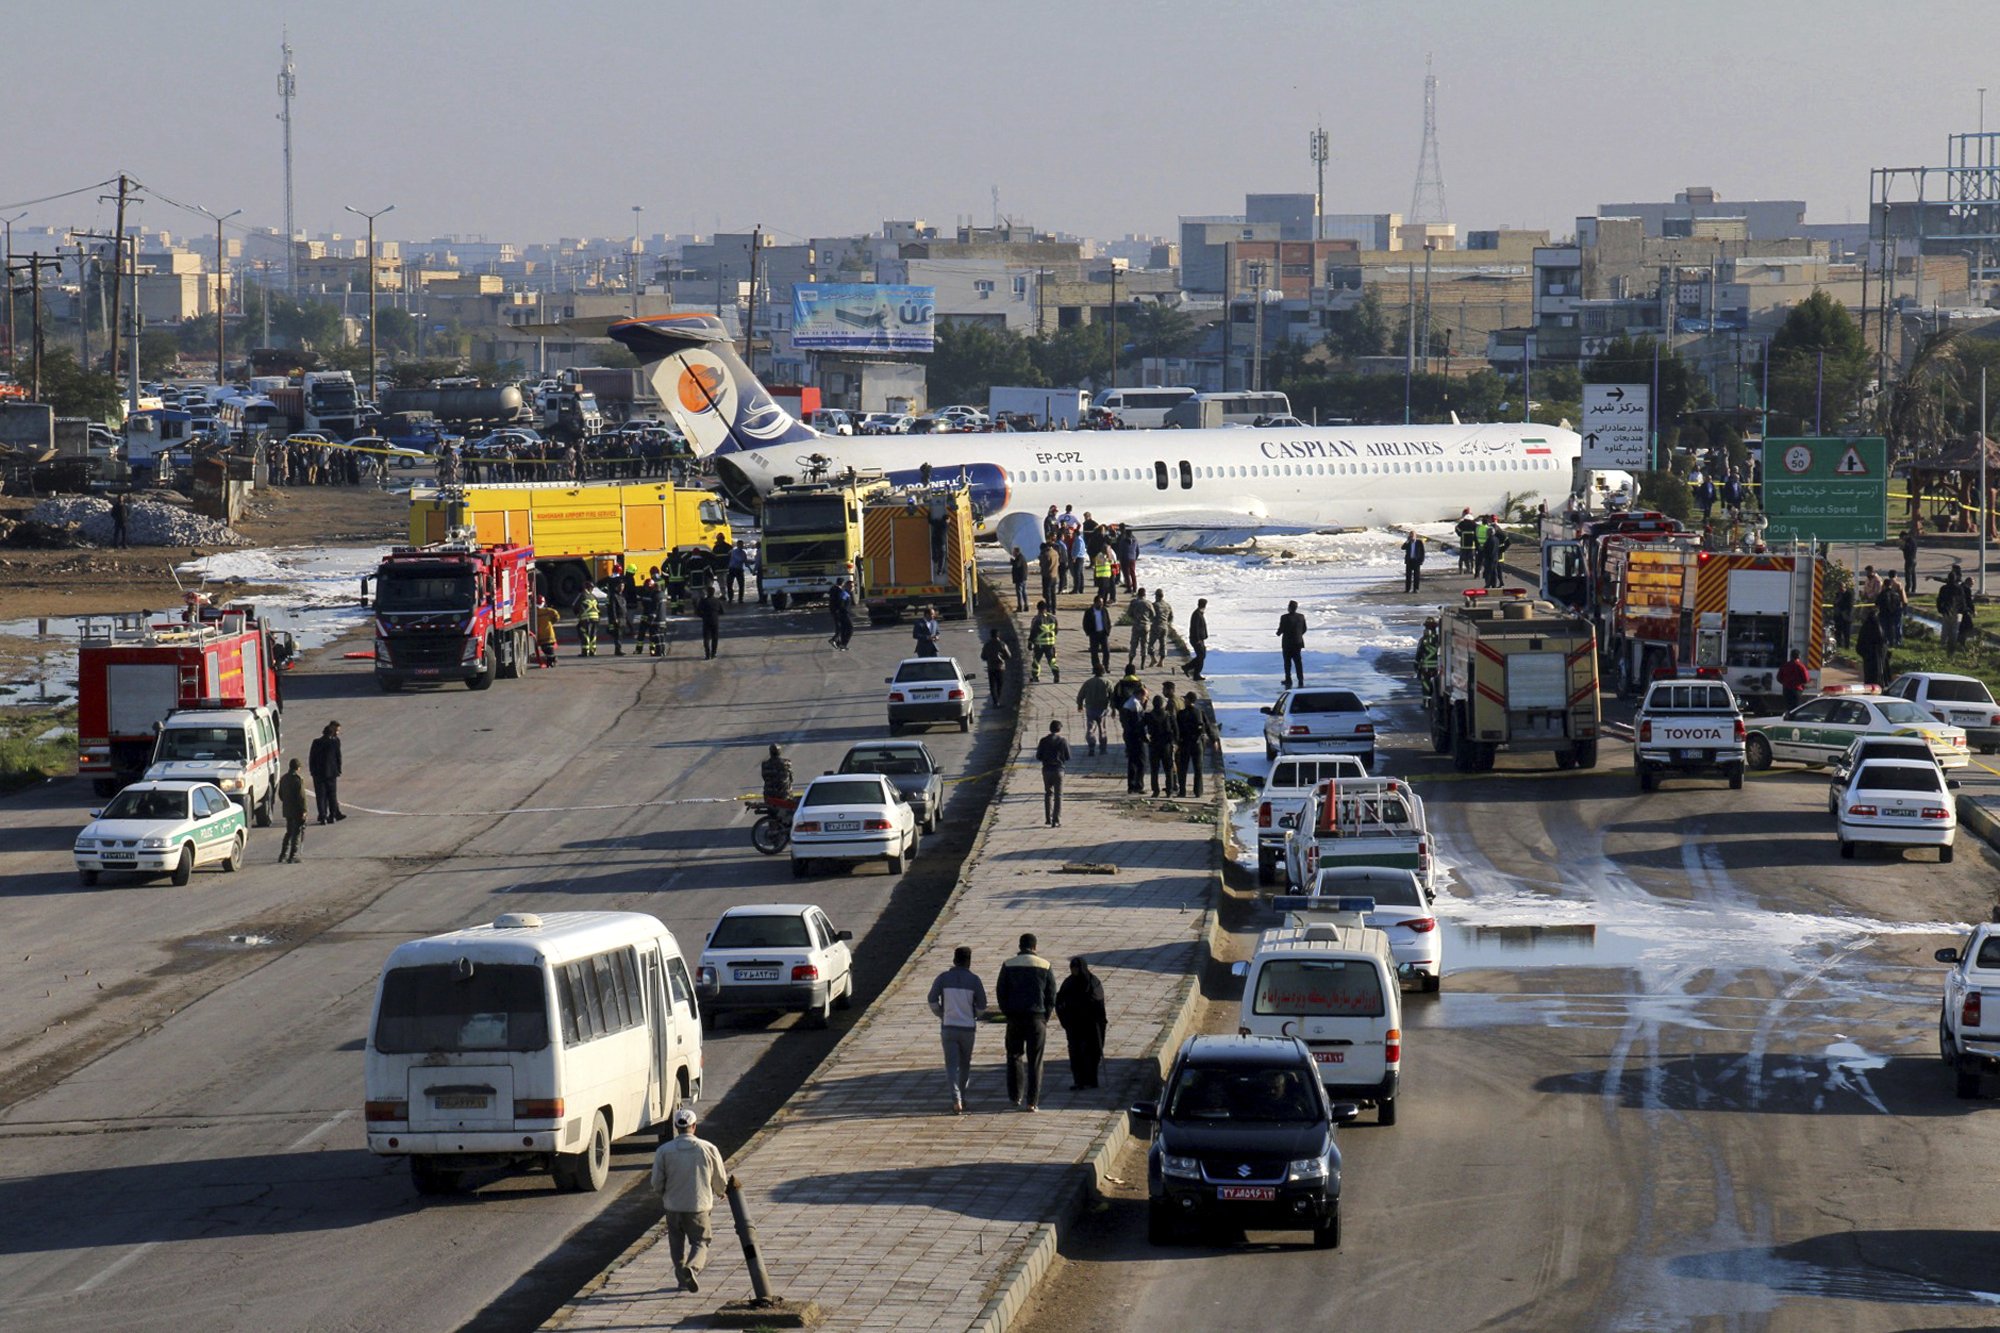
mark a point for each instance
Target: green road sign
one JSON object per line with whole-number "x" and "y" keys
{"x": 1830, "y": 489}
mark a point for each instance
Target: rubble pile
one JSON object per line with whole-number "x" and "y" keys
{"x": 147, "y": 522}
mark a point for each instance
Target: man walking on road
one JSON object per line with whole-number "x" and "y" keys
{"x": 1193, "y": 737}
{"x": 687, "y": 1175}
{"x": 1413, "y": 563}
{"x": 1097, "y": 632}
{"x": 1909, "y": 548}
{"x": 1292, "y": 643}
{"x": 292, "y": 804}
{"x": 1140, "y": 613}
{"x": 546, "y": 617}
{"x": 1027, "y": 995}
{"x": 1157, "y": 626}
{"x": 1053, "y": 752}
{"x": 958, "y": 998}
{"x": 1051, "y": 571}
{"x": 709, "y": 608}
{"x": 323, "y": 762}
{"x": 1017, "y": 569}
{"x": 1198, "y": 640}
{"x": 1093, "y": 700}
{"x": 996, "y": 653}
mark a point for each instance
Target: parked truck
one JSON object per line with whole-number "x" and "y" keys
{"x": 577, "y": 532}
{"x": 133, "y": 669}
{"x": 1688, "y": 725}
{"x": 916, "y": 550}
{"x": 1045, "y": 407}
{"x": 621, "y": 394}
{"x": 453, "y": 610}
{"x": 1514, "y": 674}
{"x": 1360, "y": 822}
{"x": 464, "y": 406}
{"x": 332, "y": 404}
{"x": 810, "y": 535}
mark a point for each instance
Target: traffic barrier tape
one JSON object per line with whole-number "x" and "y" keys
{"x": 550, "y": 809}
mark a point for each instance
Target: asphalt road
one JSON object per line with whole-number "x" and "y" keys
{"x": 181, "y": 1069}
{"x": 1683, "y": 1073}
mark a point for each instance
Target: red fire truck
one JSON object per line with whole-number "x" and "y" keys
{"x": 135, "y": 668}
{"x": 453, "y": 610}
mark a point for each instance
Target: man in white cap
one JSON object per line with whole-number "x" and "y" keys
{"x": 687, "y": 1175}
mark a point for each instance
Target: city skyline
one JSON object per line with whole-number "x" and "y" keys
{"x": 1105, "y": 122}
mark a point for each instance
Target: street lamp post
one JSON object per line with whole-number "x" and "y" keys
{"x": 373, "y": 367}
{"x": 221, "y": 375}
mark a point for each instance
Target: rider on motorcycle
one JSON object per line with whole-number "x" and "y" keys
{"x": 1427, "y": 657}
{"x": 777, "y": 774}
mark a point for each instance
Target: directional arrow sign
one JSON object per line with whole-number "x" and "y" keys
{"x": 1617, "y": 427}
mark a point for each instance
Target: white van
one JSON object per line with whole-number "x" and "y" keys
{"x": 536, "y": 1039}
{"x": 234, "y": 748}
{"x": 1332, "y": 984}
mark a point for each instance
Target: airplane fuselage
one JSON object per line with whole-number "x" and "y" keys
{"x": 1310, "y": 478}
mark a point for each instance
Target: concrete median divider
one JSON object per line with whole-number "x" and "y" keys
{"x": 871, "y": 1197}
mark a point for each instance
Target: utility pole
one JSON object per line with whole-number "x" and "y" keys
{"x": 82, "y": 306}
{"x": 1410, "y": 332}
{"x": 221, "y": 376}
{"x": 1114, "y": 324}
{"x": 1429, "y": 246}
{"x": 1985, "y": 500}
{"x": 117, "y": 288}
{"x": 636, "y": 210}
{"x": 372, "y": 363}
{"x": 34, "y": 264}
{"x": 7, "y": 257}
{"x": 750, "y": 317}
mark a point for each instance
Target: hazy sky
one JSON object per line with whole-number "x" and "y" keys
{"x": 528, "y": 120}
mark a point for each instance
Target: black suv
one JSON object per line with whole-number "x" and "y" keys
{"x": 1244, "y": 1142}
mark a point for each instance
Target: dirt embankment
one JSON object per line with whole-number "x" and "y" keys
{"x": 79, "y": 581}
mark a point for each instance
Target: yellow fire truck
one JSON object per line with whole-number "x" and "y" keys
{"x": 916, "y": 550}
{"x": 810, "y": 535}
{"x": 1518, "y": 674}
{"x": 579, "y": 532}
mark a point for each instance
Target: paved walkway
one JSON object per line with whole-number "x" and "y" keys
{"x": 869, "y": 1195}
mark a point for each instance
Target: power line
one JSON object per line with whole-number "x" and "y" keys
{"x": 51, "y": 198}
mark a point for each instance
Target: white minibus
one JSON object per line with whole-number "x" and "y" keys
{"x": 535, "y": 1039}
{"x": 1142, "y": 409}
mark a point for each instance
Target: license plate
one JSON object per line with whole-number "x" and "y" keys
{"x": 844, "y": 826}
{"x": 119, "y": 862}
{"x": 1330, "y": 1057}
{"x": 925, "y": 694}
{"x": 1252, "y": 1193}
{"x": 459, "y": 1101}
{"x": 756, "y": 974}
{"x": 1690, "y": 754}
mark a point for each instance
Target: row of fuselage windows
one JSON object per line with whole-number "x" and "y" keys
{"x": 1374, "y": 468}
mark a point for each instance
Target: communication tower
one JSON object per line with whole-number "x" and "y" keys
{"x": 288, "y": 86}
{"x": 1427, "y": 202}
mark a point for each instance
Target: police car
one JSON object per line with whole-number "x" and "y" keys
{"x": 1819, "y": 731}
{"x": 162, "y": 828}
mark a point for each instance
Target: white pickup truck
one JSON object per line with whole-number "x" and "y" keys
{"x": 1291, "y": 779}
{"x": 1360, "y": 822}
{"x": 1688, "y": 726}
{"x": 1968, "y": 1036}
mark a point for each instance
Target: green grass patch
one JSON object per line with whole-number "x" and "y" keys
{"x": 36, "y": 743}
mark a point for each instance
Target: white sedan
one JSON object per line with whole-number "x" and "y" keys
{"x": 1898, "y": 803}
{"x": 852, "y": 817}
{"x": 161, "y": 828}
{"x": 782, "y": 956}
{"x": 1402, "y": 912}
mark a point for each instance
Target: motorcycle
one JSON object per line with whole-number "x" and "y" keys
{"x": 772, "y": 832}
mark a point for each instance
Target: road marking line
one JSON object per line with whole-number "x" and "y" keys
{"x": 115, "y": 1267}
{"x": 548, "y": 809}
{"x": 308, "y": 1137}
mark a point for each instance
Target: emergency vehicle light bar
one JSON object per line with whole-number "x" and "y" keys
{"x": 1301, "y": 902}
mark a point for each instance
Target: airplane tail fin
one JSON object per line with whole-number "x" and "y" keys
{"x": 703, "y": 383}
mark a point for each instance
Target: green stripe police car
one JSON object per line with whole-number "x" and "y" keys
{"x": 163, "y": 828}
{"x": 1819, "y": 731}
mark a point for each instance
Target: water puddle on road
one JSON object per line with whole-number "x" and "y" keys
{"x": 1514, "y": 947}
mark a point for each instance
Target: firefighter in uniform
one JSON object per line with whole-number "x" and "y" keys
{"x": 1427, "y": 658}
{"x": 587, "y": 615}
{"x": 1042, "y": 643}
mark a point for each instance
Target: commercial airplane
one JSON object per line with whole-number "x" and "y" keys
{"x": 1237, "y": 478}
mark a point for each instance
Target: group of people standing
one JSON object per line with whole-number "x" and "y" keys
{"x": 1074, "y": 546}
{"x": 1482, "y": 544}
